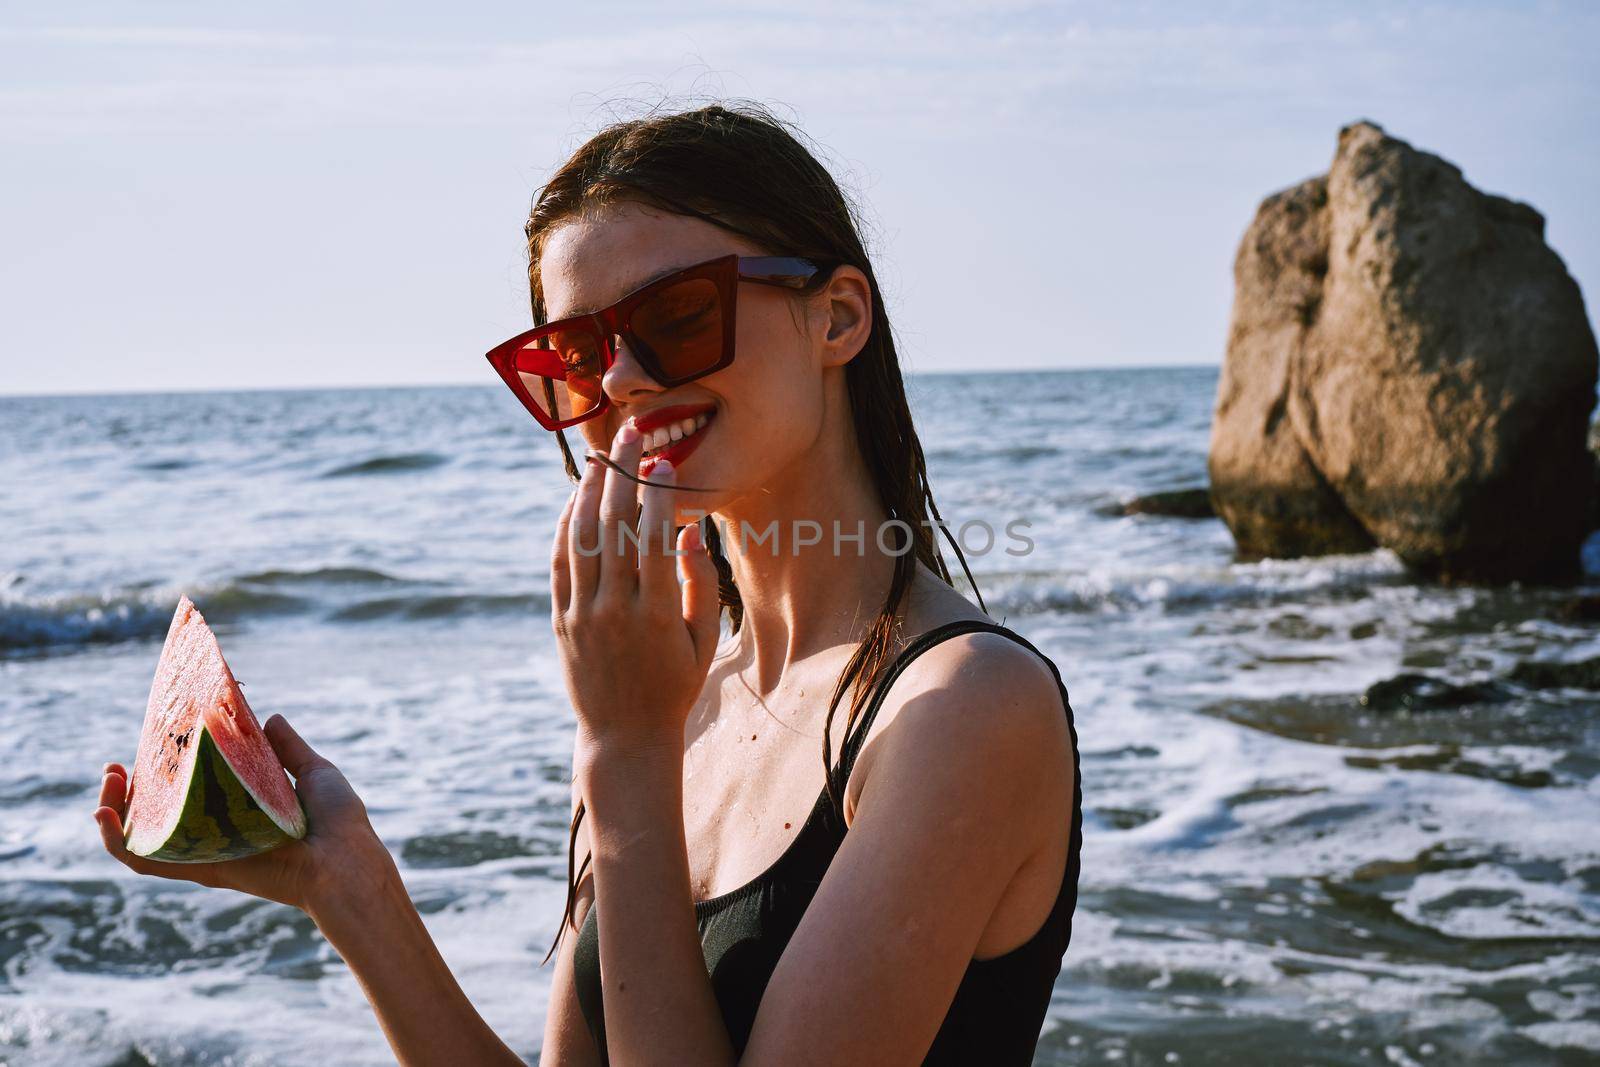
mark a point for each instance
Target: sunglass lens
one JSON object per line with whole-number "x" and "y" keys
{"x": 561, "y": 373}
{"x": 682, "y": 327}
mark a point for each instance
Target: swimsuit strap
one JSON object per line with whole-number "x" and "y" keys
{"x": 920, "y": 644}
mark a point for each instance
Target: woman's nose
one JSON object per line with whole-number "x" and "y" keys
{"x": 626, "y": 380}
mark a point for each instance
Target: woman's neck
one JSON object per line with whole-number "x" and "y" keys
{"x": 801, "y": 599}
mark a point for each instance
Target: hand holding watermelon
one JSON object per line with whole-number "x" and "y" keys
{"x": 339, "y": 851}
{"x": 209, "y": 800}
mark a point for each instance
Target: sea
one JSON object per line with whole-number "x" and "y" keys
{"x": 1333, "y": 815}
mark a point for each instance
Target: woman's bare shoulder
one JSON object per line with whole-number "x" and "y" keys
{"x": 970, "y": 666}
{"x": 979, "y": 698}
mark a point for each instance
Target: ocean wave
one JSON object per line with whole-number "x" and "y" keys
{"x": 403, "y": 463}
{"x": 1180, "y": 588}
{"x": 41, "y": 623}
{"x": 345, "y": 594}
{"x": 52, "y": 624}
{"x": 321, "y": 576}
{"x": 159, "y": 465}
{"x": 48, "y": 623}
{"x": 1012, "y": 454}
{"x": 442, "y": 605}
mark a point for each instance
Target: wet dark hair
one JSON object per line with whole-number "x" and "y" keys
{"x": 738, "y": 166}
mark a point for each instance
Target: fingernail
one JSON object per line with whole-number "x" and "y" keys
{"x": 628, "y": 434}
{"x": 663, "y": 466}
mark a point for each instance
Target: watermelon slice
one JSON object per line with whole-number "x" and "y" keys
{"x": 206, "y": 784}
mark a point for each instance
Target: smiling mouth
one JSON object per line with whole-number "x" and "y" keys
{"x": 662, "y": 438}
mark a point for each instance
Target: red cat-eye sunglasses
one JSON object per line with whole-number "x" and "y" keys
{"x": 680, "y": 327}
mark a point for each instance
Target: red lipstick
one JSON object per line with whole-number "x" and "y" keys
{"x": 675, "y": 452}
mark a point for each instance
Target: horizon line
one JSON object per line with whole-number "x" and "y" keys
{"x": 367, "y": 386}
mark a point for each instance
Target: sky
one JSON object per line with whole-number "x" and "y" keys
{"x": 208, "y": 196}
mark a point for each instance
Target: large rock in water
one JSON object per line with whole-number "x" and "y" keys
{"x": 1408, "y": 365}
{"x": 1262, "y": 482}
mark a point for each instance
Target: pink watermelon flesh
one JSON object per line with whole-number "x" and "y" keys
{"x": 194, "y": 695}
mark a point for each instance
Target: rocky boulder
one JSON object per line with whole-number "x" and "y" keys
{"x": 1262, "y": 483}
{"x": 1408, "y": 365}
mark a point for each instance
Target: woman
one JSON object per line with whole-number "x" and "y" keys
{"x": 908, "y": 897}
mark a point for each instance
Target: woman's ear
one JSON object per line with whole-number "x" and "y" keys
{"x": 846, "y": 306}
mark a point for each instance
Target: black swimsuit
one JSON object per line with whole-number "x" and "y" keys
{"x": 1000, "y": 1005}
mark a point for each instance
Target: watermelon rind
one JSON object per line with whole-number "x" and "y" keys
{"x": 220, "y": 818}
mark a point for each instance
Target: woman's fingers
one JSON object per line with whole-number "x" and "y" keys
{"x": 658, "y": 582}
{"x": 113, "y": 804}
{"x": 583, "y": 543}
{"x": 298, "y": 758}
{"x": 619, "y": 510}
{"x": 560, "y": 569}
{"x": 110, "y": 823}
{"x": 111, "y": 836}
{"x": 114, "y": 789}
{"x": 701, "y": 608}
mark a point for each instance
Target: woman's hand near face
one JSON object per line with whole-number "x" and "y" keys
{"x": 339, "y": 853}
{"x": 635, "y": 646}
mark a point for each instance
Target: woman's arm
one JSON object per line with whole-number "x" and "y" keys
{"x": 622, "y": 605}
{"x": 567, "y": 1041}
{"x": 660, "y": 1007}
{"x": 424, "y": 1014}
{"x": 343, "y": 877}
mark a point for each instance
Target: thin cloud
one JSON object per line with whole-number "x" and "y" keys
{"x": 163, "y": 37}
{"x": 927, "y": 69}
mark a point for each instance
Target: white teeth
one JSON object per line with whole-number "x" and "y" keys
{"x": 661, "y": 437}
